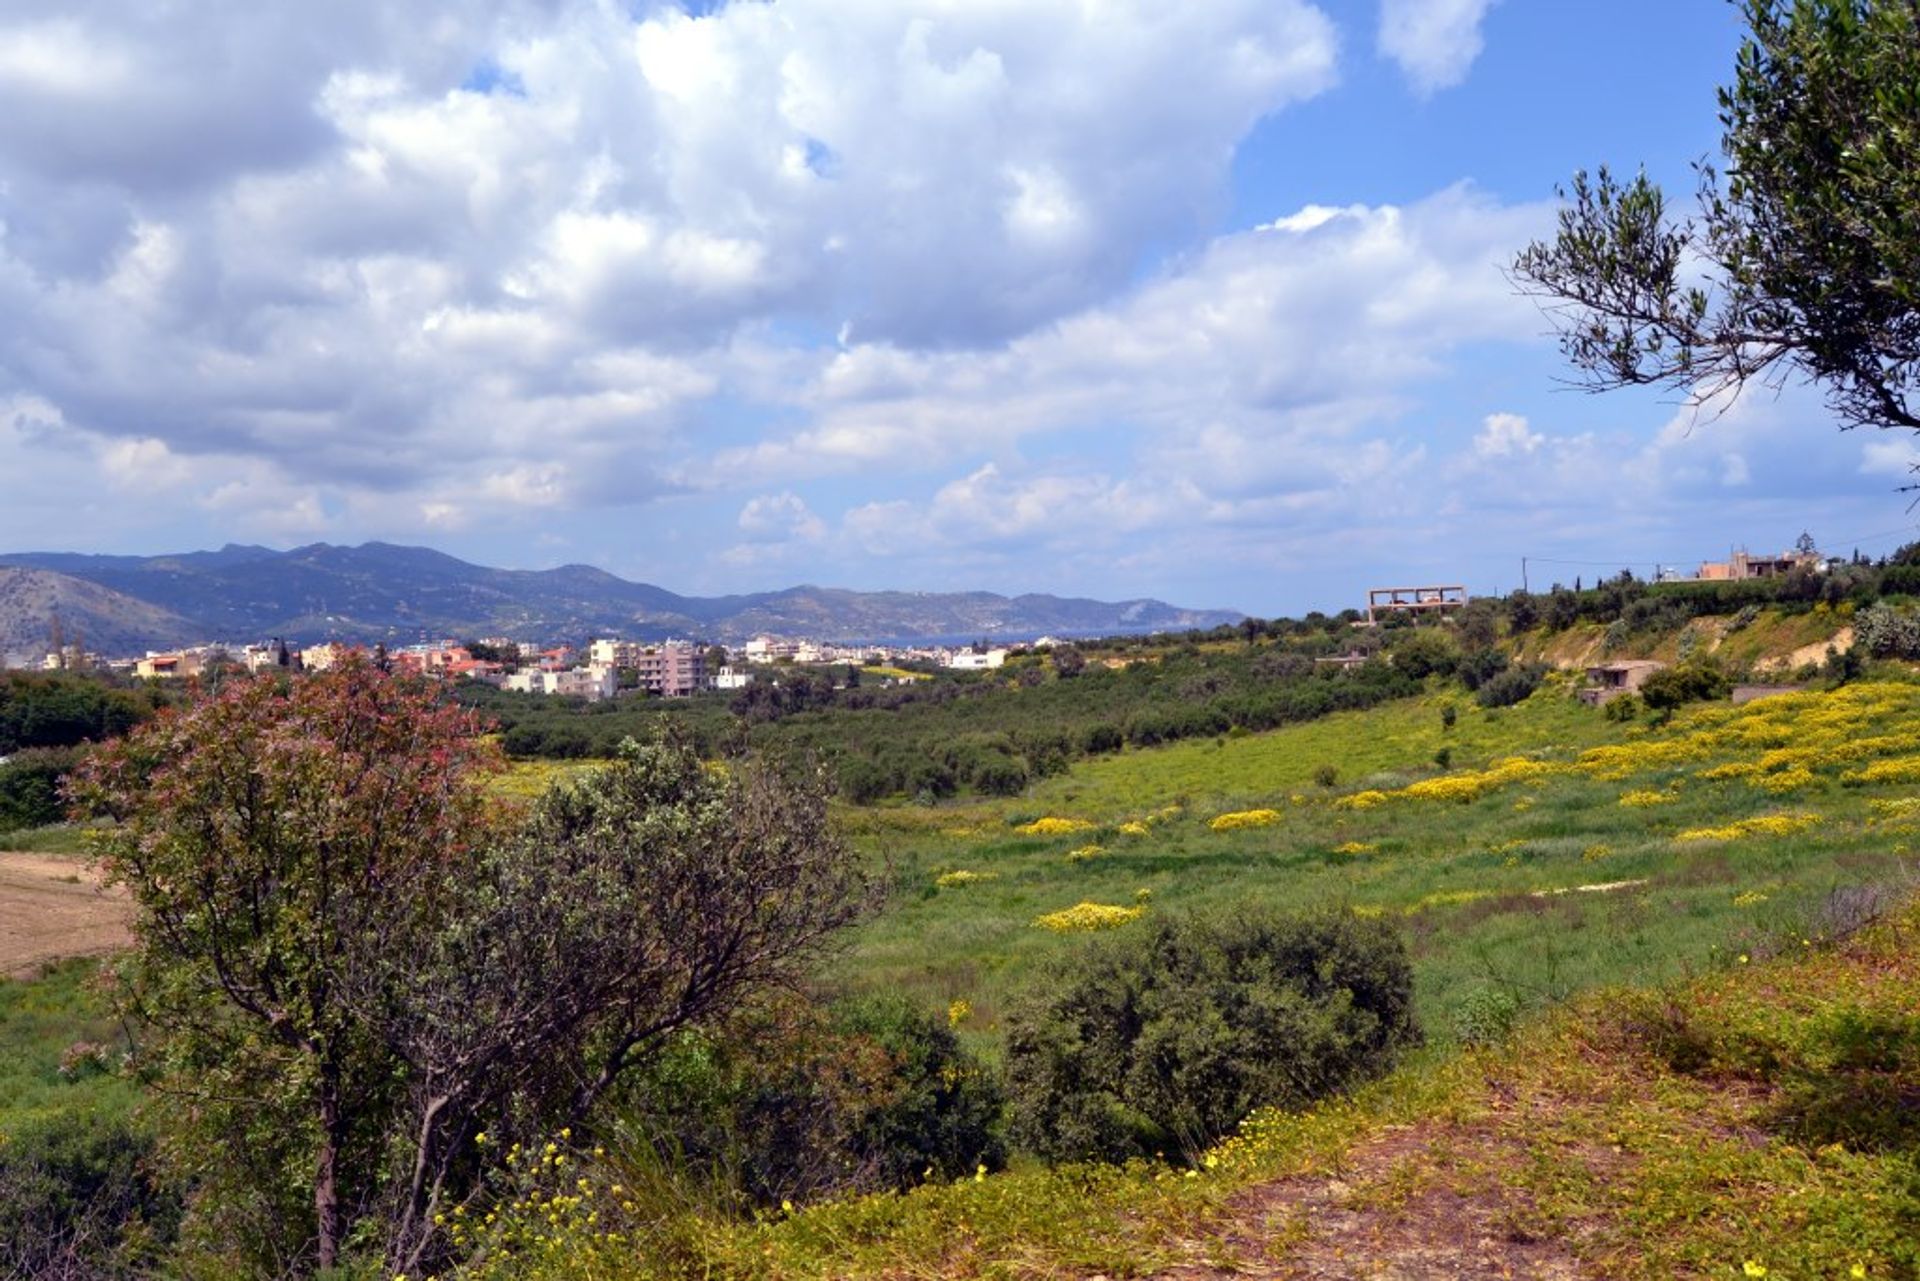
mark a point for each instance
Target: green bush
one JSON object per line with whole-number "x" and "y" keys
{"x": 1481, "y": 666}
{"x": 78, "y": 1199}
{"x": 1486, "y": 1016}
{"x": 793, "y": 1101}
{"x": 30, "y": 786}
{"x": 1162, "y": 1039}
{"x": 1513, "y": 685}
{"x": 863, "y": 782}
{"x": 1687, "y": 683}
{"x": 1427, "y": 652}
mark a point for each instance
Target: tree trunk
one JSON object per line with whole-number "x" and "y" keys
{"x": 326, "y": 1189}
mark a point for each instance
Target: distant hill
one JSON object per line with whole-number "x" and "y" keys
{"x": 379, "y": 591}
{"x": 104, "y": 620}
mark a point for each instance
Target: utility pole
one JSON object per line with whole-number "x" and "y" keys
{"x": 1523, "y": 576}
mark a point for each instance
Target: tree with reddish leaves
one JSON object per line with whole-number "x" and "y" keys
{"x": 283, "y": 842}
{"x": 353, "y": 965}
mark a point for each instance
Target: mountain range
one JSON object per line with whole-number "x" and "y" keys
{"x": 382, "y": 592}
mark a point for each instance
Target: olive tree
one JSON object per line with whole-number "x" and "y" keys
{"x": 1803, "y": 255}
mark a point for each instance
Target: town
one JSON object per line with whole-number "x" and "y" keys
{"x": 601, "y": 669}
{"x": 609, "y": 667}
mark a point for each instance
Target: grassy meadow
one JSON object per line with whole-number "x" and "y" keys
{"x": 1748, "y": 1123}
{"x": 1707, "y": 1066}
{"x": 1613, "y": 858}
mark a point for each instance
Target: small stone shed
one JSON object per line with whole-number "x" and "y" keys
{"x": 1609, "y": 681}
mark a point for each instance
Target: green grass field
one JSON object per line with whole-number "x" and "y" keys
{"x": 42, "y": 1021}
{"x": 1495, "y": 892}
{"x": 61, "y": 838}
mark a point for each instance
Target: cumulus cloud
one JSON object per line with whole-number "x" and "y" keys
{"x": 331, "y": 244}
{"x": 1292, "y": 335}
{"x": 1434, "y": 42}
{"x": 779, "y": 518}
{"x": 1504, "y": 436}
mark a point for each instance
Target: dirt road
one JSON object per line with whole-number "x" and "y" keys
{"x": 52, "y": 907}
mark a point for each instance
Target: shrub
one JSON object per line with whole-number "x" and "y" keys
{"x": 1486, "y": 1016}
{"x": 1102, "y": 738}
{"x": 1326, "y": 776}
{"x": 1000, "y": 776}
{"x": 1085, "y": 917}
{"x": 78, "y": 1198}
{"x": 1481, "y": 666}
{"x": 1162, "y": 1039}
{"x": 1514, "y": 685}
{"x": 30, "y": 786}
{"x": 1687, "y": 683}
{"x": 1244, "y": 818}
{"x": 1886, "y": 632}
{"x": 1427, "y": 652}
{"x": 863, "y": 782}
{"x": 795, "y": 1101}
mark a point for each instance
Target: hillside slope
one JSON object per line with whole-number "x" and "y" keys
{"x": 106, "y": 621}
{"x": 379, "y": 591}
{"x": 1756, "y": 1122}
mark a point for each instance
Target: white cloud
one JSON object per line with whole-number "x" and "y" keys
{"x": 1300, "y": 331}
{"x": 1504, "y": 436}
{"x": 1890, "y": 456}
{"x": 779, "y": 518}
{"x": 1434, "y": 42}
{"x": 298, "y": 243}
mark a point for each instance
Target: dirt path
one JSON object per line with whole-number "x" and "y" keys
{"x": 1415, "y": 1202}
{"x": 53, "y": 907}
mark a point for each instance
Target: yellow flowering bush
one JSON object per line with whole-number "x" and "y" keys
{"x": 1787, "y": 780}
{"x": 1082, "y": 853}
{"x": 1765, "y": 825}
{"x": 1244, "y": 818}
{"x": 1133, "y": 827}
{"x": 1355, "y": 847}
{"x": 1473, "y": 784}
{"x": 955, "y": 879}
{"x": 1901, "y": 807}
{"x": 1897, "y": 769}
{"x": 1082, "y": 917}
{"x": 1617, "y": 761}
{"x": 1055, "y": 826}
{"x": 1645, "y": 798}
{"x": 1732, "y": 769}
{"x": 1361, "y": 800}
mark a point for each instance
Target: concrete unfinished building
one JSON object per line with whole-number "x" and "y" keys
{"x": 1413, "y": 600}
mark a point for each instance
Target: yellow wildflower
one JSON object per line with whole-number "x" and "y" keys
{"x": 1244, "y": 818}
{"x": 1054, "y": 826}
{"x": 1088, "y": 916}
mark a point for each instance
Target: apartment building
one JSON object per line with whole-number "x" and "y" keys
{"x": 674, "y": 669}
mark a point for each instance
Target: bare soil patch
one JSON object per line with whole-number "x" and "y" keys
{"x": 1415, "y": 1202}
{"x": 52, "y": 907}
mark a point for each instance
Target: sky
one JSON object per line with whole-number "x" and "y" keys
{"x": 1197, "y": 301}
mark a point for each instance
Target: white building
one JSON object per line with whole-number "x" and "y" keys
{"x": 968, "y": 660}
{"x": 590, "y": 683}
{"x": 731, "y": 677}
{"x": 765, "y": 649}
